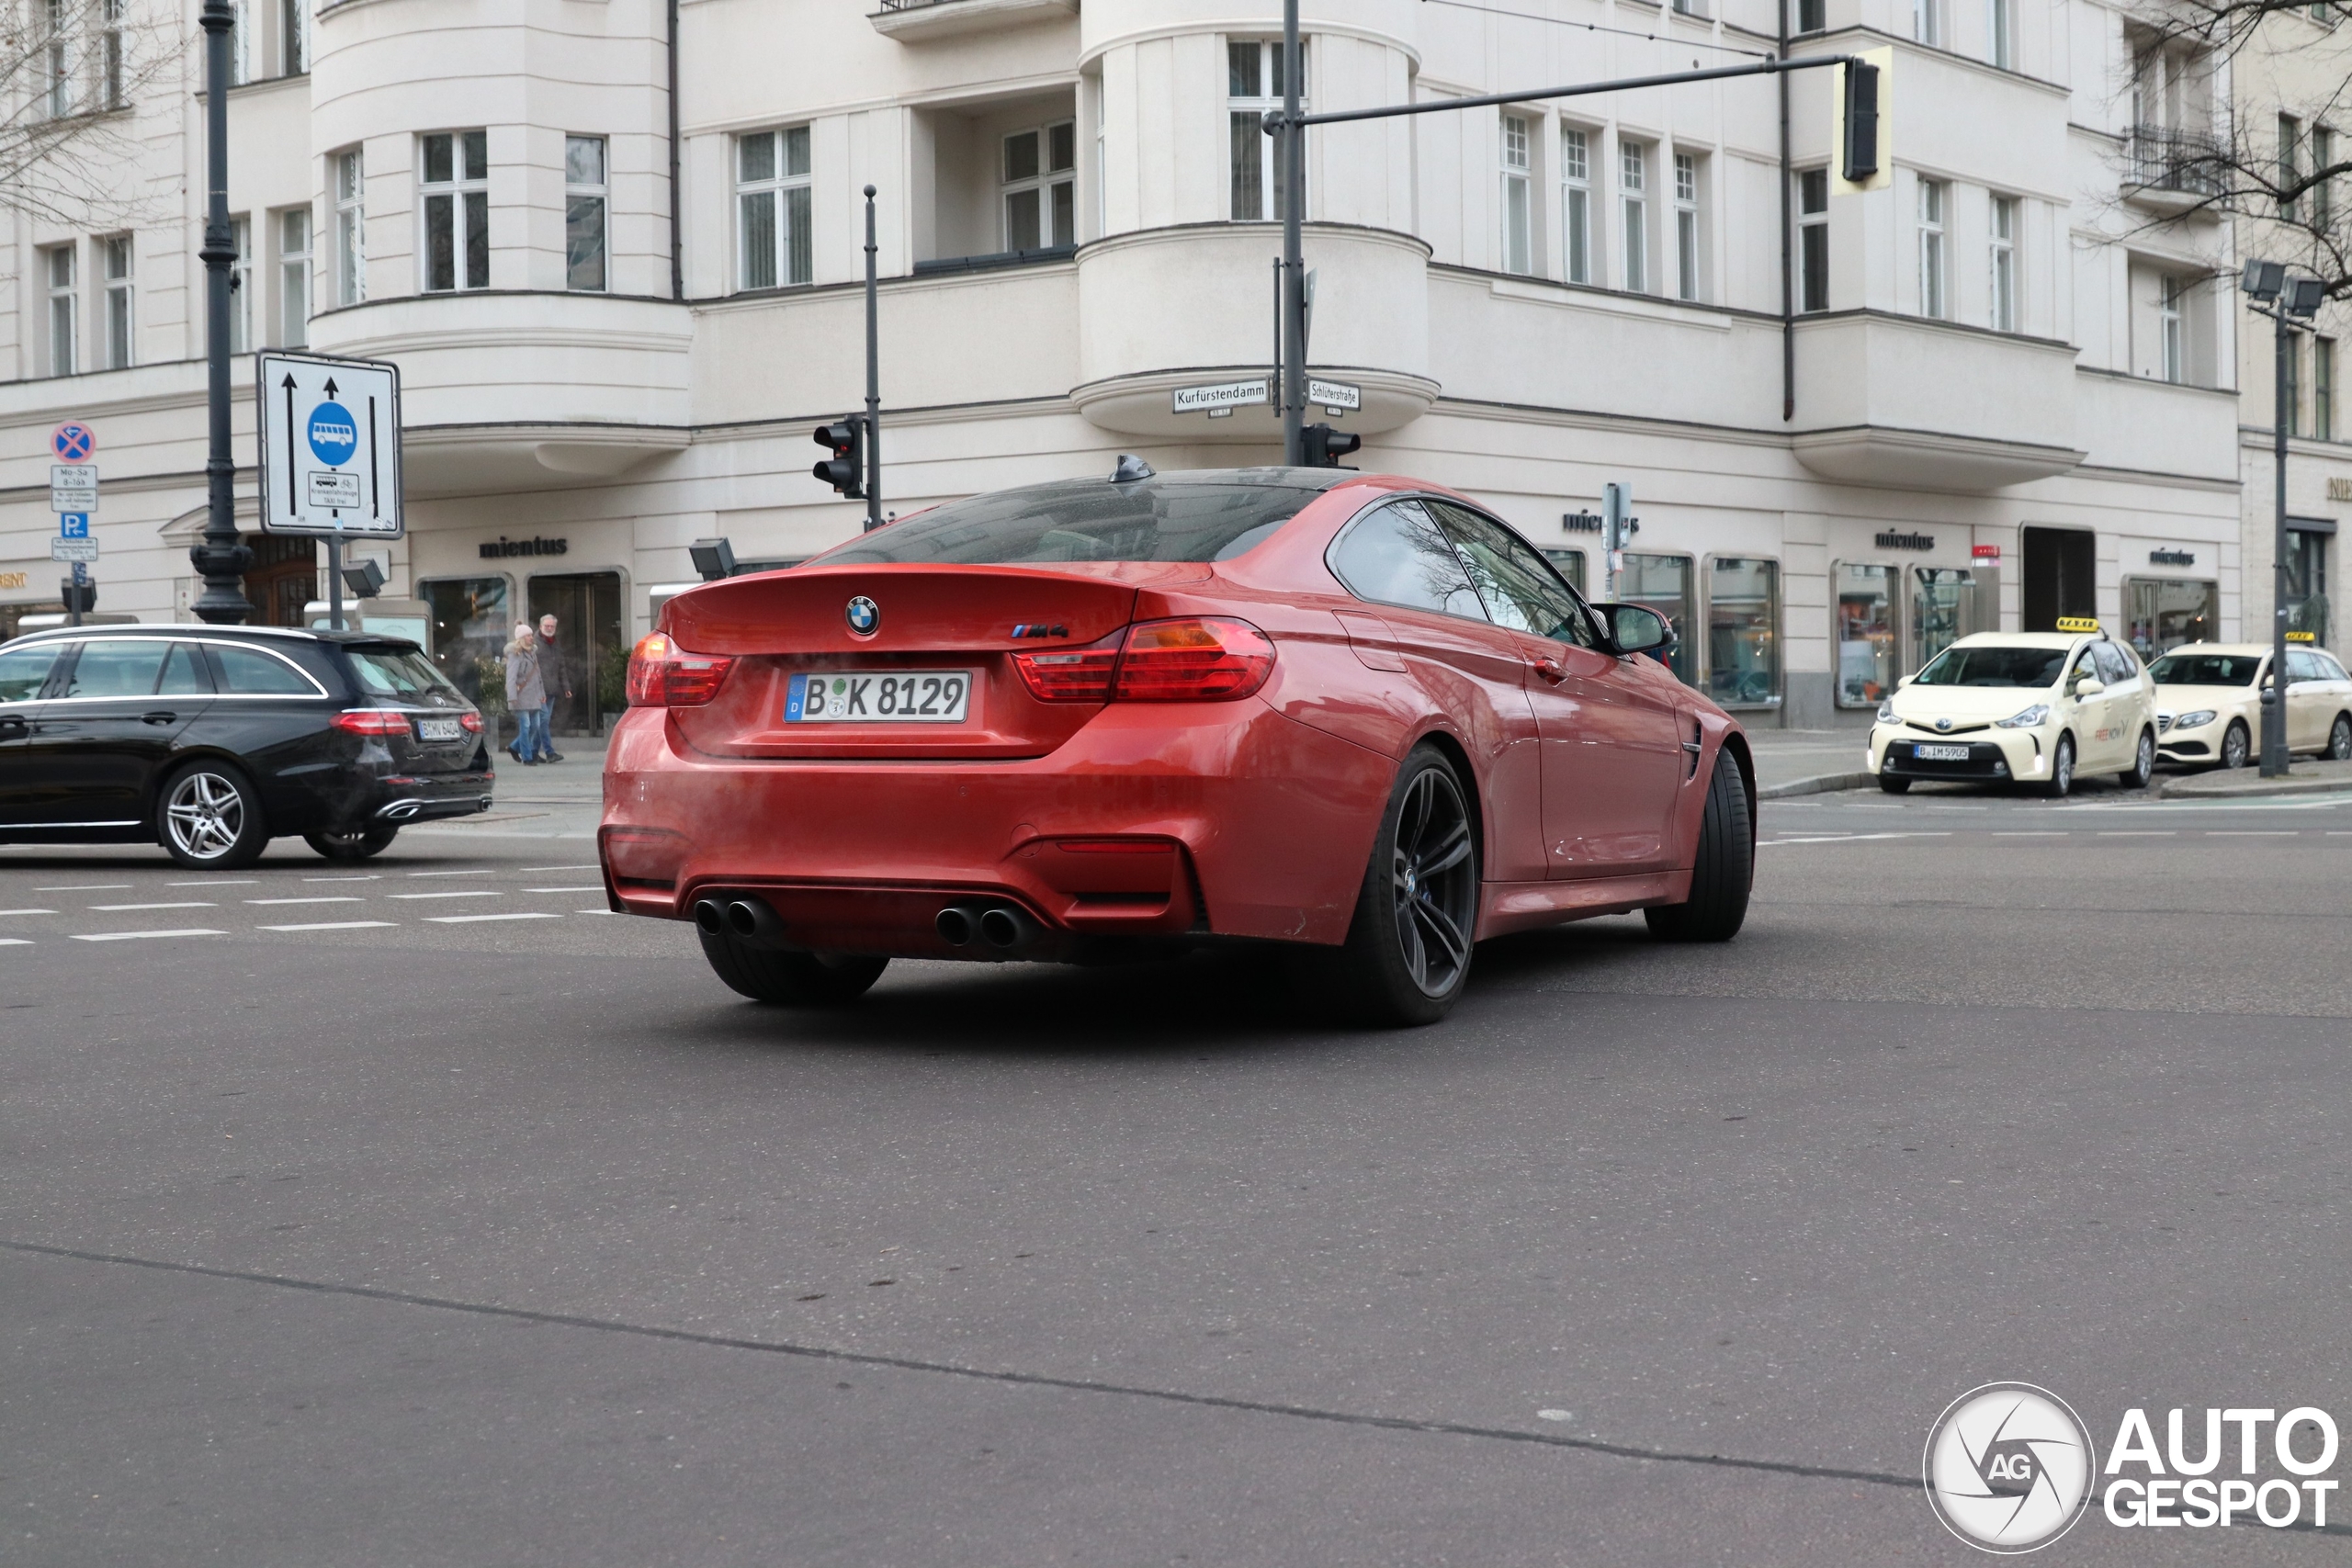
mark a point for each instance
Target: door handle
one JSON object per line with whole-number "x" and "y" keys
{"x": 158, "y": 718}
{"x": 1551, "y": 670}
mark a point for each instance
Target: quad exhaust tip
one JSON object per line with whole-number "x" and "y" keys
{"x": 1000, "y": 926}
{"x": 710, "y": 916}
{"x": 1004, "y": 927}
{"x": 957, "y": 924}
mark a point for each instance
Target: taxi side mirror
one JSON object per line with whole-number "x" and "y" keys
{"x": 1901, "y": 682}
{"x": 2090, "y": 686}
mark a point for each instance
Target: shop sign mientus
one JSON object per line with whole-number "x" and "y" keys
{"x": 1892, "y": 541}
{"x": 502, "y": 546}
{"x": 2172, "y": 557}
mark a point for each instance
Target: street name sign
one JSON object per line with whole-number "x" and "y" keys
{"x": 1334, "y": 396}
{"x": 73, "y": 487}
{"x": 330, "y": 445}
{"x": 73, "y": 549}
{"x": 1223, "y": 397}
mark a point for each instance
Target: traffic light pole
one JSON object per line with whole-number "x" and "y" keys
{"x": 2275, "y": 762}
{"x": 873, "y": 379}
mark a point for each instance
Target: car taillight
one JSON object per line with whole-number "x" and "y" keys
{"x": 470, "y": 721}
{"x": 370, "y": 721}
{"x": 1072, "y": 675}
{"x": 1203, "y": 660}
{"x": 661, "y": 674}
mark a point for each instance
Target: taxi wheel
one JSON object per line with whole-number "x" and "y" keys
{"x": 790, "y": 979}
{"x": 2061, "y": 782}
{"x": 1894, "y": 786}
{"x": 2143, "y": 763}
{"x": 1723, "y": 870}
{"x": 2236, "y": 745}
{"x": 2339, "y": 740}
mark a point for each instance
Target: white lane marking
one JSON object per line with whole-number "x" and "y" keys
{"x": 16, "y": 942}
{"x": 118, "y": 909}
{"x": 2137, "y": 833}
{"x": 1855, "y": 838}
{"x": 592, "y": 911}
{"x": 2251, "y": 832}
{"x": 321, "y": 898}
{"x": 2052, "y": 833}
{"x": 469, "y": 893}
{"x": 27, "y": 911}
{"x": 482, "y": 873}
{"x": 88, "y": 887}
{"x": 468, "y": 919}
{"x": 595, "y": 888}
{"x": 133, "y": 936}
{"x": 529, "y": 869}
{"x": 371, "y": 876}
{"x": 246, "y": 881}
{"x": 330, "y": 926}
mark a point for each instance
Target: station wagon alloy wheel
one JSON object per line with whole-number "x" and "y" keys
{"x": 210, "y": 819}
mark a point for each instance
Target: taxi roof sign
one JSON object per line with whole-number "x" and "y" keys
{"x": 2077, "y": 623}
{"x": 2302, "y": 636}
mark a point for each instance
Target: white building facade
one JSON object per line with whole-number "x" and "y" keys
{"x": 2005, "y": 391}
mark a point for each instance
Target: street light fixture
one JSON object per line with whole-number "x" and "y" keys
{"x": 2292, "y": 302}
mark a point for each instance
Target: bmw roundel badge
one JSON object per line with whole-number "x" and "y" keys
{"x": 864, "y": 614}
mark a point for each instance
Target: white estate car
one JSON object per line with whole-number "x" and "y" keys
{"x": 2020, "y": 707}
{"x": 2209, "y": 701}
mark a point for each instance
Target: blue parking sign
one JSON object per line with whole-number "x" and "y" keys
{"x": 73, "y": 525}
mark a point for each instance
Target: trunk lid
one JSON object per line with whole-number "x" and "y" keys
{"x": 928, "y": 618}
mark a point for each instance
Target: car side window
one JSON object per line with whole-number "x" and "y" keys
{"x": 249, "y": 672}
{"x": 2113, "y": 667}
{"x": 2329, "y": 669}
{"x": 121, "y": 668}
{"x": 1399, "y": 556}
{"x": 184, "y": 673}
{"x": 2301, "y": 665}
{"x": 25, "y": 671}
{"x": 2084, "y": 664}
{"x": 1518, "y": 586}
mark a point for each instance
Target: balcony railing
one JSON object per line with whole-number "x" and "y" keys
{"x": 2157, "y": 157}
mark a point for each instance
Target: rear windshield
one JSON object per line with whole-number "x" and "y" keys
{"x": 2033, "y": 667}
{"x": 2205, "y": 668}
{"x": 1173, "y": 517}
{"x": 403, "y": 674}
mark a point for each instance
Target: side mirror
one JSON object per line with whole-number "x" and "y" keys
{"x": 1901, "y": 682}
{"x": 1635, "y": 628}
{"x": 2090, "y": 686}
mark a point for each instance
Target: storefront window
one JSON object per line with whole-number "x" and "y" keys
{"x": 1662, "y": 584}
{"x": 472, "y": 623}
{"x": 1866, "y": 649}
{"x": 1571, "y": 565}
{"x": 2307, "y": 585}
{"x": 2166, "y": 612}
{"x": 1943, "y": 610}
{"x": 1743, "y": 632}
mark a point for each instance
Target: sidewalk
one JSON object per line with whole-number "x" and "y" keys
{"x": 2305, "y": 775}
{"x": 1808, "y": 762}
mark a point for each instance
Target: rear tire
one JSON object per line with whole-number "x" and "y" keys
{"x": 2339, "y": 740}
{"x": 1409, "y": 947}
{"x": 2143, "y": 763}
{"x": 1724, "y": 868}
{"x": 2061, "y": 782}
{"x": 348, "y": 848}
{"x": 2237, "y": 745}
{"x": 209, "y": 817}
{"x": 790, "y": 979}
{"x": 1894, "y": 786}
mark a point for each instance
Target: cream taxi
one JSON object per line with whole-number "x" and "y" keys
{"x": 2209, "y": 701}
{"x": 2035, "y": 708}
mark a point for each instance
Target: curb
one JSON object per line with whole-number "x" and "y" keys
{"x": 1823, "y": 783}
{"x": 2185, "y": 789}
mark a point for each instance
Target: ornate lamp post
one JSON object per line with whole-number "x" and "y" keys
{"x": 2292, "y": 302}
{"x": 220, "y": 560}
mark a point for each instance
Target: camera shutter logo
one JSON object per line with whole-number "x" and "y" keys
{"x": 2009, "y": 1467}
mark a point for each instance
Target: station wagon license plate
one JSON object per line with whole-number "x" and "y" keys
{"x": 879, "y": 696}
{"x": 1939, "y": 753}
{"x": 438, "y": 730}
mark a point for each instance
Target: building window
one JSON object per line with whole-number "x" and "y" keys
{"x": 2168, "y": 337}
{"x": 1570, "y": 564}
{"x": 57, "y": 60}
{"x": 2168, "y": 612}
{"x": 241, "y": 286}
{"x": 2323, "y": 194}
{"x": 240, "y": 43}
{"x": 584, "y": 212}
{"x": 771, "y": 207}
{"x": 456, "y": 185}
{"x": 2004, "y": 216}
{"x": 1943, "y": 610}
{"x": 2291, "y": 135}
{"x": 1253, "y": 84}
{"x": 1689, "y": 8}
{"x": 65, "y": 309}
{"x": 1662, "y": 584}
{"x": 1812, "y": 16}
{"x": 1633, "y": 182}
{"x": 2001, "y": 21}
{"x": 1931, "y": 248}
{"x": 1865, "y": 627}
{"x": 114, "y": 252}
{"x": 110, "y": 54}
{"x": 2324, "y": 388}
{"x": 350, "y": 227}
{"x": 1686, "y": 225}
{"x": 294, "y": 277}
{"x": 294, "y": 36}
{"x": 2294, "y": 384}
{"x": 1813, "y": 239}
{"x": 1928, "y": 22}
{"x": 1040, "y": 188}
{"x": 1517, "y": 199}
{"x": 1743, "y": 632}
{"x": 1576, "y": 202}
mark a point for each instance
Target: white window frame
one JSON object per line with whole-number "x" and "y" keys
{"x": 110, "y": 94}
{"x": 118, "y": 266}
{"x": 2171, "y": 342}
{"x": 466, "y": 192}
{"x": 1934, "y": 274}
{"x": 1689, "y": 260}
{"x": 1813, "y": 229}
{"x": 1633, "y": 215}
{"x": 241, "y": 42}
{"x": 2001, "y": 245}
{"x": 1576, "y": 209}
{"x": 295, "y": 275}
{"x": 349, "y": 168}
{"x": 583, "y": 196}
{"x": 773, "y": 209}
{"x": 1518, "y": 240}
{"x": 2001, "y": 34}
{"x": 64, "y": 322}
{"x": 1253, "y": 105}
{"x": 1046, "y": 181}
{"x": 240, "y": 284}
{"x": 1928, "y": 22}
{"x": 294, "y": 36}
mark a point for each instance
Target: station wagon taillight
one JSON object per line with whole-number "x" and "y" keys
{"x": 662, "y": 674}
{"x": 371, "y": 721}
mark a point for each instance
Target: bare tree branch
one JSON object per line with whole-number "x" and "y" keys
{"x": 73, "y": 76}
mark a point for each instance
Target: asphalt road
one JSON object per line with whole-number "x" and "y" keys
{"x": 490, "y": 1229}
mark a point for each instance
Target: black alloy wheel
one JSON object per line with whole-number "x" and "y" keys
{"x": 1408, "y": 951}
{"x": 789, "y": 979}
{"x": 2143, "y": 763}
{"x": 208, "y": 818}
{"x": 2061, "y": 782}
{"x": 349, "y": 847}
{"x": 1723, "y": 870}
{"x": 2339, "y": 740}
{"x": 2237, "y": 746}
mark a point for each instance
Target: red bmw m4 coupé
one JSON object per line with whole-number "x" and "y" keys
{"x": 1352, "y": 713}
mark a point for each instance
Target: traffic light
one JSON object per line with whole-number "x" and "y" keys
{"x": 845, "y": 469}
{"x": 1861, "y": 152}
{"x": 1326, "y": 446}
{"x": 80, "y": 598}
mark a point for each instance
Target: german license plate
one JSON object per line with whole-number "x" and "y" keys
{"x": 1941, "y": 753}
{"x": 438, "y": 730}
{"x": 879, "y": 696}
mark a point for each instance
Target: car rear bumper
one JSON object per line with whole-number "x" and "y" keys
{"x": 1153, "y": 821}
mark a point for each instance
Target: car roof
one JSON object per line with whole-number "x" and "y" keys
{"x": 2249, "y": 650}
{"x": 2021, "y": 640}
{"x": 200, "y": 629}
